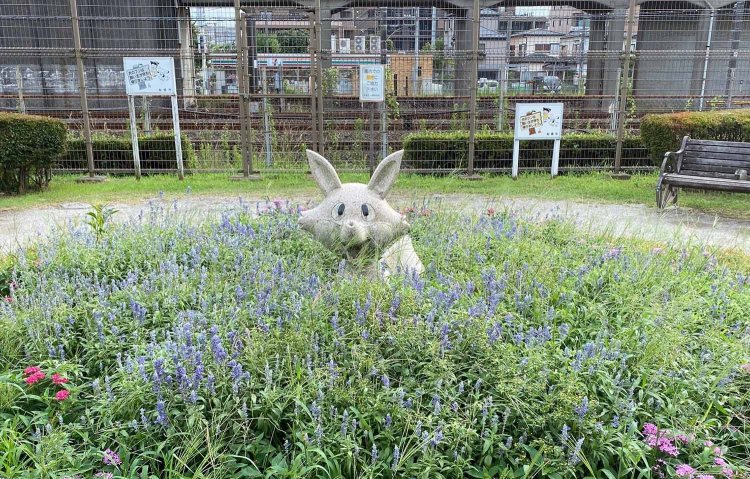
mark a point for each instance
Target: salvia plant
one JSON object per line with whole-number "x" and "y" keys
{"x": 158, "y": 348}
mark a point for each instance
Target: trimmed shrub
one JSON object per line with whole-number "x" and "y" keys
{"x": 157, "y": 152}
{"x": 29, "y": 146}
{"x": 663, "y": 133}
{"x": 437, "y": 150}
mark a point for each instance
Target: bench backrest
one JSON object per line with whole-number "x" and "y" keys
{"x": 715, "y": 159}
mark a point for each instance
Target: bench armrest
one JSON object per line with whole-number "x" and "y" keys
{"x": 669, "y": 165}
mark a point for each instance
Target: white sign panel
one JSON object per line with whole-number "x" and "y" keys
{"x": 150, "y": 76}
{"x": 371, "y": 83}
{"x": 539, "y": 121}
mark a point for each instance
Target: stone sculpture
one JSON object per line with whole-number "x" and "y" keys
{"x": 356, "y": 221}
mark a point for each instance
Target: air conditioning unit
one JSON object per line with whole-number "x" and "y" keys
{"x": 345, "y": 45}
{"x": 359, "y": 44}
{"x": 374, "y": 44}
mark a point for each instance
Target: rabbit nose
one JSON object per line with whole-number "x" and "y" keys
{"x": 350, "y": 224}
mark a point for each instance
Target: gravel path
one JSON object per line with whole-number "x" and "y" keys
{"x": 675, "y": 225}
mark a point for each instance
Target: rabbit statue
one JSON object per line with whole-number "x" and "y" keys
{"x": 354, "y": 220}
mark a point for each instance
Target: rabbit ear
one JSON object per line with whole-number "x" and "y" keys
{"x": 385, "y": 174}
{"x": 323, "y": 172}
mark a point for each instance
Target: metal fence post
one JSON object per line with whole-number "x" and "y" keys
{"x": 74, "y": 20}
{"x": 737, "y": 19}
{"x": 242, "y": 93}
{"x": 321, "y": 78}
{"x": 624, "y": 93}
{"x": 19, "y": 84}
{"x": 314, "y": 80}
{"x": 473, "y": 88}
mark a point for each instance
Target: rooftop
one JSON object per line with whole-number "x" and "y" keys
{"x": 538, "y": 32}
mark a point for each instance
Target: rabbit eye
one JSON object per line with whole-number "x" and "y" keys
{"x": 338, "y": 211}
{"x": 368, "y": 212}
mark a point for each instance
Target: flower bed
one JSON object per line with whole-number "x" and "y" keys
{"x": 238, "y": 349}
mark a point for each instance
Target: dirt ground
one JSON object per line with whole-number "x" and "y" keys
{"x": 673, "y": 226}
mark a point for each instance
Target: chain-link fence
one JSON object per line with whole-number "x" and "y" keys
{"x": 258, "y": 82}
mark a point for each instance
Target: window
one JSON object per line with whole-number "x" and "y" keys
{"x": 482, "y": 47}
{"x": 542, "y": 47}
{"x": 419, "y": 71}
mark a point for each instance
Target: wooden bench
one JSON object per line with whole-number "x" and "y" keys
{"x": 703, "y": 165}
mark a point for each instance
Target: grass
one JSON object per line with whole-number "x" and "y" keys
{"x": 594, "y": 187}
{"x": 240, "y": 348}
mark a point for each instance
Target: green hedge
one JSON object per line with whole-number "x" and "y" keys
{"x": 157, "y": 152}
{"x": 29, "y": 146}
{"x": 663, "y": 133}
{"x": 436, "y": 150}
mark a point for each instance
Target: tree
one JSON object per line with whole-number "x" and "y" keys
{"x": 267, "y": 43}
{"x": 293, "y": 41}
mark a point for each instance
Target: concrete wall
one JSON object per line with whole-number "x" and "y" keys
{"x": 672, "y": 58}
{"x": 38, "y": 36}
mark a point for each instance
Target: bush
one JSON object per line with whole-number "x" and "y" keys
{"x": 495, "y": 150}
{"x": 663, "y": 133}
{"x": 29, "y": 145}
{"x": 157, "y": 152}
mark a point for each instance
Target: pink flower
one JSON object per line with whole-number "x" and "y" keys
{"x": 111, "y": 458}
{"x": 684, "y": 470}
{"x": 708, "y": 443}
{"x": 35, "y": 378}
{"x": 727, "y": 471}
{"x": 745, "y": 367}
{"x": 490, "y": 211}
{"x": 62, "y": 395}
{"x": 650, "y": 429}
{"x": 656, "y": 251}
{"x": 665, "y": 445}
{"x": 8, "y": 299}
{"x": 683, "y": 438}
{"x": 705, "y": 476}
{"x": 57, "y": 379}
{"x": 717, "y": 451}
{"x": 720, "y": 461}
{"x": 32, "y": 370}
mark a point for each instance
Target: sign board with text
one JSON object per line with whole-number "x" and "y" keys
{"x": 152, "y": 76}
{"x": 538, "y": 121}
{"x": 372, "y": 83}
{"x": 149, "y": 76}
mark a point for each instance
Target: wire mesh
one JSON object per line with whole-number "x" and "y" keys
{"x": 454, "y": 71}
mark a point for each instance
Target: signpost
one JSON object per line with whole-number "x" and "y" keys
{"x": 152, "y": 76}
{"x": 372, "y": 90}
{"x": 538, "y": 121}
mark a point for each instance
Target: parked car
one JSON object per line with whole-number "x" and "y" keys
{"x": 548, "y": 83}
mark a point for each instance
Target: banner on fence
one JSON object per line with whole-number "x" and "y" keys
{"x": 538, "y": 121}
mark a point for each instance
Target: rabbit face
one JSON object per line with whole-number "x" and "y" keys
{"x": 354, "y": 219}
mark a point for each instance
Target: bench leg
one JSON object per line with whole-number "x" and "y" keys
{"x": 665, "y": 194}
